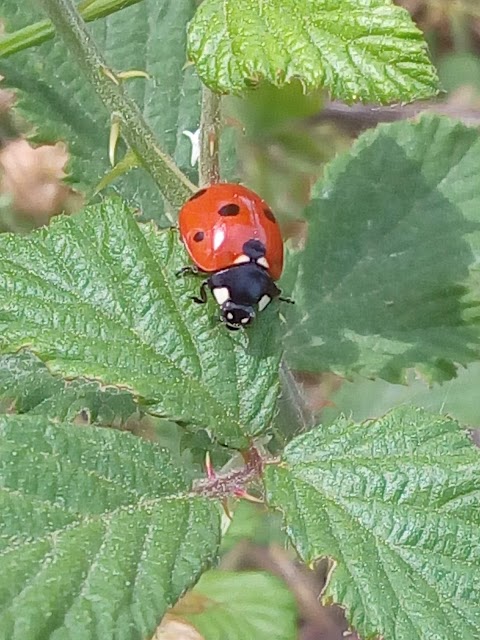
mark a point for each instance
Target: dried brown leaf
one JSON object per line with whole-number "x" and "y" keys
{"x": 192, "y": 602}
{"x": 173, "y": 628}
{"x": 32, "y": 180}
{"x": 7, "y": 100}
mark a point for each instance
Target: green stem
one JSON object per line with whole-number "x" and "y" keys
{"x": 39, "y": 32}
{"x": 210, "y": 125}
{"x": 69, "y": 25}
{"x": 234, "y": 482}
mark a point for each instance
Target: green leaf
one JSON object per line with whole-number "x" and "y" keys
{"x": 459, "y": 69}
{"x": 99, "y": 534}
{"x": 242, "y": 605}
{"x": 254, "y": 523}
{"x": 394, "y": 504}
{"x": 362, "y": 399}
{"x": 96, "y": 296}
{"x": 388, "y": 279}
{"x": 57, "y": 99}
{"x": 369, "y": 50}
{"x": 27, "y": 386}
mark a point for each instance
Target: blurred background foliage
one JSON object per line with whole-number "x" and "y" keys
{"x": 278, "y": 141}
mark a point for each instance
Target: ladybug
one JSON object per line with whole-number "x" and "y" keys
{"x": 231, "y": 232}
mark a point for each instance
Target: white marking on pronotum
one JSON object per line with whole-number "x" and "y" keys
{"x": 263, "y": 262}
{"x": 263, "y": 302}
{"x": 241, "y": 259}
{"x": 245, "y": 320}
{"x": 218, "y": 238}
{"x": 229, "y": 315}
{"x": 221, "y": 295}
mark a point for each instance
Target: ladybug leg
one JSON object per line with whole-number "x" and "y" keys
{"x": 275, "y": 292}
{"x": 190, "y": 270}
{"x": 202, "y": 298}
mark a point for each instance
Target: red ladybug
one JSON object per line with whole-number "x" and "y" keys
{"x": 231, "y": 232}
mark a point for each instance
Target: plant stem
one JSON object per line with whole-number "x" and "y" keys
{"x": 69, "y": 25}
{"x": 35, "y": 34}
{"x": 232, "y": 483}
{"x": 210, "y": 124}
{"x": 303, "y": 415}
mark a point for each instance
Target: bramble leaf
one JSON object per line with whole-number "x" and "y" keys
{"x": 99, "y": 534}
{"x": 26, "y": 386}
{"x": 388, "y": 279}
{"x": 369, "y": 50}
{"x": 394, "y": 503}
{"x": 96, "y": 296}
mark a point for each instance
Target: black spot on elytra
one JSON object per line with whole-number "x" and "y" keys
{"x": 197, "y": 194}
{"x": 199, "y": 236}
{"x": 229, "y": 210}
{"x": 268, "y": 213}
{"x": 254, "y": 249}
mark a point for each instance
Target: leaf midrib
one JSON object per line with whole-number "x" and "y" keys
{"x": 338, "y": 499}
{"x": 104, "y": 516}
{"x": 341, "y": 505}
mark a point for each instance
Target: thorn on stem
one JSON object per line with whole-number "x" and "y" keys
{"x": 244, "y": 495}
{"x": 226, "y": 509}
{"x": 133, "y": 73}
{"x": 110, "y": 74}
{"x": 211, "y": 475}
{"x": 113, "y": 140}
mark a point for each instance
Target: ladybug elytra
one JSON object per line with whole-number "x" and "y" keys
{"x": 231, "y": 232}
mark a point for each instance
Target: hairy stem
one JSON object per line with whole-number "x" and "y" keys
{"x": 69, "y": 25}
{"x": 232, "y": 483}
{"x": 210, "y": 125}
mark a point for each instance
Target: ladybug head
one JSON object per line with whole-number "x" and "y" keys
{"x": 236, "y": 316}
